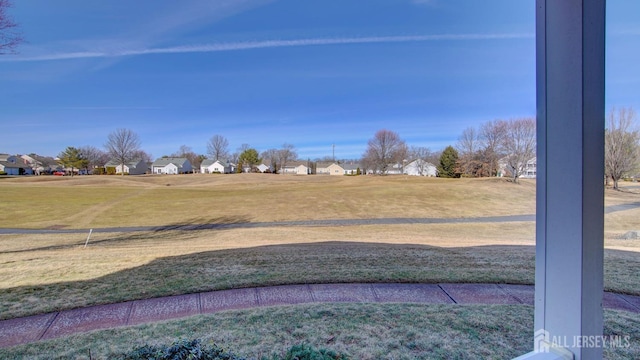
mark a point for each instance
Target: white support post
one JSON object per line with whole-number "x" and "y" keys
{"x": 570, "y": 41}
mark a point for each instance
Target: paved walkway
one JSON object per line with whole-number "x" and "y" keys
{"x": 225, "y": 225}
{"x": 58, "y": 324}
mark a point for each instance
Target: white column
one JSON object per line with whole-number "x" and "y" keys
{"x": 570, "y": 38}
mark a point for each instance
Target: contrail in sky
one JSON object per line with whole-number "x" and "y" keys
{"x": 248, "y": 45}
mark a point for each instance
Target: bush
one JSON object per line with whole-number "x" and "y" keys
{"x": 181, "y": 350}
{"x": 195, "y": 350}
{"x": 306, "y": 352}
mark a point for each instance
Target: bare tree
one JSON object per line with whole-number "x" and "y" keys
{"x": 421, "y": 156}
{"x": 286, "y": 154}
{"x": 520, "y": 145}
{"x": 467, "y": 147}
{"x": 218, "y": 147}
{"x": 123, "y": 145}
{"x": 95, "y": 157}
{"x": 143, "y": 155}
{"x": 492, "y": 135}
{"x": 271, "y": 156}
{"x": 186, "y": 152}
{"x": 622, "y": 144}
{"x": 385, "y": 148}
{"x": 10, "y": 37}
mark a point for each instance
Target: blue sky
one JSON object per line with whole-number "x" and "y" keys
{"x": 310, "y": 73}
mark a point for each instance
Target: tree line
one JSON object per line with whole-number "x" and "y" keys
{"x": 479, "y": 151}
{"x": 495, "y": 146}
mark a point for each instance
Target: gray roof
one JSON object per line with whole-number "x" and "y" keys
{"x": 296, "y": 163}
{"x": 11, "y": 165}
{"x": 351, "y": 166}
{"x": 130, "y": 164}
{"x": 179, "y": 162}
{"x": 209, "y": 162}
{"x": 325, "y": 164}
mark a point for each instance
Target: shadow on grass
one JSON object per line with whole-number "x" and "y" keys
{"x": 324, "y": 262}
{"x": 150, "y": 233}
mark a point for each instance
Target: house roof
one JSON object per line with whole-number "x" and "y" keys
{"x": 415, "y": 160}
{"x": 40, "y": 160}
{"x": 130, "y": 164}
{"x": 179, "y": 162}
{"x": 11, "y": 165}
{"x": 293, "y": 164}
{"x": 351, "y": 166}
{"x": 5, "y": 157}
{"x": 209, "y": 162}
{"x": 324, "y": 164}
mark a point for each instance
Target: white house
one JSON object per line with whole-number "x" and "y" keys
{"x": 134, "y": 167}
{"x": 13, "y": 165}
{"x": 263, "y": 168}
{"x": 420, "y": 167}
{"x": 171, "y": 165}
{"x": 352, "y": 169}
{"x": 394, "y": 169}
{"x": 209, "y": 166}
{"x": 528, "y": 171}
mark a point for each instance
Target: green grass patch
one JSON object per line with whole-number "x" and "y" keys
{"x": 362, "y": 331}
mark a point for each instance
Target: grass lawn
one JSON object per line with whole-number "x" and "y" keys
{"x": 42, "y": 273}
{"x": 363, "y": 331}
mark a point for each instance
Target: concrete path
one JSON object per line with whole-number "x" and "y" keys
{"x": 59, "y": 324}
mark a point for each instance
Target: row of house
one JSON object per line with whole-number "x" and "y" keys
{"x": 28, "y": 165}
{"x": 33, "y": 164}
{"x": 173, "y": 165}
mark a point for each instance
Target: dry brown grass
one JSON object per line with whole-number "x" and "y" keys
{"x": 40, "y": 273}
{"x": 107, "y": 201}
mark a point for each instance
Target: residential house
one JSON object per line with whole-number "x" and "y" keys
{"x": 14, "y": 165}
{"x": 335, "y": 169}
{"x": 420, "y": 167}
{"x": 41, "y": 164}
{"x": 171, "y": 165}
{"x": 297, "y": 168}
{"x": 209, "y": 166}
{"x": 263, "y": 168}
{"x": 529, "y": 170}
{"x": 352, "y": 168}
{"x": 134, "y": 167}
{"x": 322, "y": 167}
{"x": 395, "y": 169}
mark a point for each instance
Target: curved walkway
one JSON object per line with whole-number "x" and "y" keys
{"x": 63, "y": 323}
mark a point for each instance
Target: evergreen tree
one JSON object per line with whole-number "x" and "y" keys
{"x": 72, "y": 157}
{"x": 448, "y": 163}
{"x": 249, "y": 157}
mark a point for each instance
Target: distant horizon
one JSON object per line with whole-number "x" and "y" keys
{"x": 268, "y": 72}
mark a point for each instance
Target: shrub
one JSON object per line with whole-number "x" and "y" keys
{"x": 181, "y": 350}
{"x": 307, "y": 352}
{"x": 195, "y": 350}
{"x": 3, "y": 173}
